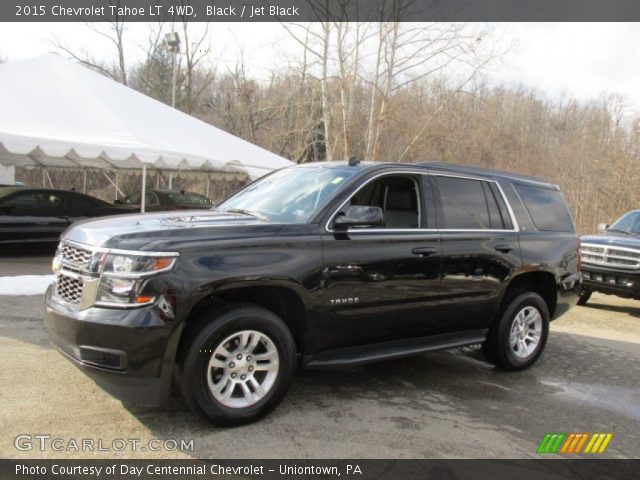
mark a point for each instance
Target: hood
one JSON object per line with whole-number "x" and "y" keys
{"x": 611, "y": 239}
{"x": 142, "y": 230}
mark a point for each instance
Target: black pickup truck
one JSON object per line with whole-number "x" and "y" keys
{"x": 312, "y": 266}
{"x": 611, "y": 261}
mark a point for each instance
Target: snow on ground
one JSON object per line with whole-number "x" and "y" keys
{"x": 25, "y": 284}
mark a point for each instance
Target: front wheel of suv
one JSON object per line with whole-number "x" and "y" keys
{"x": 519, "y": 335}
{"x": 238, "y": 366}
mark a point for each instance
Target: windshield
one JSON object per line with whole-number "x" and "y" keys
{"x": 291, "y": 195}
{"x": 188, "y": 198}
{"x": 628, "y": 223}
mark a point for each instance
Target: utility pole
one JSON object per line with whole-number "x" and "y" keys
{"x": 173, "y": 45}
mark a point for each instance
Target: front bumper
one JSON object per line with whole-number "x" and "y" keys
{"x": 128, "y": 352}
{"x": 623, "y": 283}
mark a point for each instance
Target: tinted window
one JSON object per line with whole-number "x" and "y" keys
{"x": 547, "y": 208}
{"x": 134, "y": 198}
{"x": 188, "y": 198}
{"x": 150, "y": 198}
{"x": 76, "y": 201}
{"x": 26, "y": 200}
{"x": 629, "y": 222}
{"x": 35, "y": 201}
{"x": 398, "y": 198}
{"x": 469, "y": 205}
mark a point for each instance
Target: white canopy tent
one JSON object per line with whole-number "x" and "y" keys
{"x": 56, "y": 113}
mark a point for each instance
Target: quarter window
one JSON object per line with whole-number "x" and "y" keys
{"x": 547, "y": 208}
{"x": 469, "y": 204}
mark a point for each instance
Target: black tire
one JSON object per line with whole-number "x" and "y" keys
{"x": 497, "y": 347}
{"x": 584, "y": 296}
{"x": 194, "y": 367}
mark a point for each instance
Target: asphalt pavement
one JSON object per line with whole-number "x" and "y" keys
{"x": 449, "y": 404}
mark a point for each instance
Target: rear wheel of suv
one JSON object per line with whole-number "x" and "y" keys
{"x": 239, "y": 366}
{"x": 584, "y": 296}
{"x": 518, "y": 337}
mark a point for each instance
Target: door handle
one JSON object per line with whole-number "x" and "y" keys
{"x": 424, "y": 251}
{"x": 504, "y": 248}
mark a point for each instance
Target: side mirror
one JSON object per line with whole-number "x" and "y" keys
{"x": 602, "y": 227}
{"x": 360, "y": 216}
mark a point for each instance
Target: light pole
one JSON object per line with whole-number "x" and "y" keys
{"x": 172, "y": 40}
{"x": 173, "y": 45}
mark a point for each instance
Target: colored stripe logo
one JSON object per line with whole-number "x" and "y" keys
{"x": 573, "y": 443}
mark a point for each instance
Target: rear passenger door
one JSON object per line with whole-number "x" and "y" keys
{"x": 480, "y": 248}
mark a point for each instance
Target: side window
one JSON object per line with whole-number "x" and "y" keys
{"x": 397, "y": 195}
{"x": 150, "y": 198}
{"x": 133, "y": 199}
{"x": 76, "y": 202}
{"x": 25, "y": 201}
{"x": 546, "y": 207}
{"x": 54, "y": 201}
{"x": 469, "y": 204}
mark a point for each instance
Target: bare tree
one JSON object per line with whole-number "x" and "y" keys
{"x": 115, "y": 34}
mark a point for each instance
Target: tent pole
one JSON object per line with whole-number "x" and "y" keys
{"x": 49, "y": 177}
{"x": 115, "y": 184}
{"x": 84, "y": 183}
{"x": 144, "y": 187}
{"x": 208, "y": 182}
{"x": 44, "y": 178}
{"x": 170, "y": 181}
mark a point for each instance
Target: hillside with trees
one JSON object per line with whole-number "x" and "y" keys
{"x": 398, "y": 92}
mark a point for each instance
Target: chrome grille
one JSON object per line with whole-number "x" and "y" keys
{"x": 69, "y": 289}
{"x": 76, "y": 256}
{"x": 617, "y": 257}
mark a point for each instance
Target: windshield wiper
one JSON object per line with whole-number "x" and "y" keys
{"x": 244, "y": 211}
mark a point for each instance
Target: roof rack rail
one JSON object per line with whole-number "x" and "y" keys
{"x": 484, "y": 171}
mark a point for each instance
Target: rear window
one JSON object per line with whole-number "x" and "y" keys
{"x": 547, "y": 208}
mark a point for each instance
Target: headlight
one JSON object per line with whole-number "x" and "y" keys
{"x": 123, "y": 275}
{"x": 136, "y": 266}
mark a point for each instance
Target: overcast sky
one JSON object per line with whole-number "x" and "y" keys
{"x": 582, "y": 60}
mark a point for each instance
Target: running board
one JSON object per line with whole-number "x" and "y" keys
{"x": 396, "y": 349}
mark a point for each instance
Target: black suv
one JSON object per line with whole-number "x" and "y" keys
{"x": 315, "y": 265}
{"x": 611, "y": 261}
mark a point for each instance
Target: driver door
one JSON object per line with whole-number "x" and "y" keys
{"x": 383, "y": 283}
